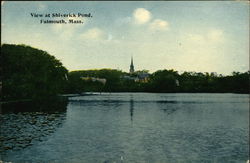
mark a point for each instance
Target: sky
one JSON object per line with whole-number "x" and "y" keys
{"x": 201, "y": 36}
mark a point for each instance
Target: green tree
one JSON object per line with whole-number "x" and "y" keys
{"x": 164, "y": 81}
{"x": 30, "y": 73}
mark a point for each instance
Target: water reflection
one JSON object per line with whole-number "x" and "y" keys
{"x": 49, "y": 105}
{"x": 170, "y": 110}
{"x": 131, "y": 110}
{"x": 23, "y": 125}
{"x": 169, "y": 107}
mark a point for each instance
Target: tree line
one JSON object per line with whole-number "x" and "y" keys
{"x": 30, "y": 73}
{"x": 162, "y": 81}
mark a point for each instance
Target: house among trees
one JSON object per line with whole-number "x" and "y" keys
{"x": 94, "y": 79}
{"x": 137, "y": 76}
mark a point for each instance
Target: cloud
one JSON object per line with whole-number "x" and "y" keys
{"x": 122, "y": 21}
{"x": 67, "y": 31}
{"x": 159, "y": 24}
{"x": 141, "y": 16}
{"x": 64, "y": 31}
{"x": 41, "y": 7}
{"x": 202, "y": 51}
{"x": 110, "y": 37}
{"x": 195, "y": 38}
{"x": 57, "y": 27}
{"x": 93, "y": 34}
{"x": 215, "y": 35}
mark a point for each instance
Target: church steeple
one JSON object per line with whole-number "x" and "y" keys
{"x": 131, "y": 70}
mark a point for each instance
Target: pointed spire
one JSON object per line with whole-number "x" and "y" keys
{"x": 132, "y": 61}
{"x": 131, "y": 70}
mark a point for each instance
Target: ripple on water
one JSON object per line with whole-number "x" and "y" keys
{"x": 18, "y": 131}
{"x": 152, "y": 128}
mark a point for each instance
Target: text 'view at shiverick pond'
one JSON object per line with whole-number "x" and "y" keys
{"x": 124, "y": 82}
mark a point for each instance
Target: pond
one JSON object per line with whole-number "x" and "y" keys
{"x": 132, "y": 127}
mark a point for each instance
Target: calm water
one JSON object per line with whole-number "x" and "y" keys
{"x": 133, "y": 127}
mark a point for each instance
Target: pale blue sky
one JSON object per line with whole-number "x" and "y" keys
{"x": 211, "y": 36}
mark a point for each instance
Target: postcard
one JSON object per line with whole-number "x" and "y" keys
{"x": 124, "y": 81}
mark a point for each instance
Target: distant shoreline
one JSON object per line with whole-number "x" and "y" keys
{"x": 99, "y": 93}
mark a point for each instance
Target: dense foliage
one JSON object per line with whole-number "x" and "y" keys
{"x": 29, "y": 73}
{"x": 78, "y": 85}
{"x": 161, "y": 81}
